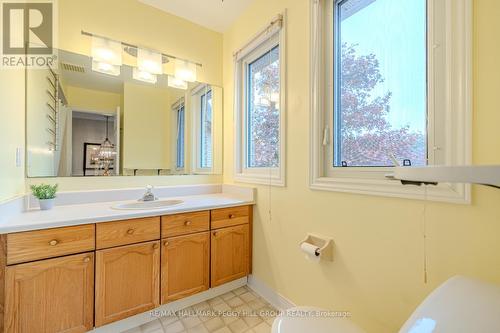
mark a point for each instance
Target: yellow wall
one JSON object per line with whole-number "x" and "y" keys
{"x": 136, "y": 23}
{"x": 81, "y": 99}
{"x": 378, "y": 272}
{"x": 146, "y": 127}
{"x": 11, "y": 132}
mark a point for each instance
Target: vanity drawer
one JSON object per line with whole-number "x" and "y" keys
{"x": 49, "y": 243}
{"x": 227, "y": 217}
{"x": 182, "y": 224}
{"x": 111, "y": 234}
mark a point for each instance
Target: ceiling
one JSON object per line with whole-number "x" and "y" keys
{"x": 216, "y": 15}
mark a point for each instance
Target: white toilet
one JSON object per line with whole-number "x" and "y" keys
{"x": 460, "y": 305}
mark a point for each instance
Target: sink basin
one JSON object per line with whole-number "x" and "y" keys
{"x": 159, "y": 204}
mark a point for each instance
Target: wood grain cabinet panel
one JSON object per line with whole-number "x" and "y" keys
{"x": 50, "y": 296}
{"x": 185, "y": 266}
{"x": 183, "y": 224}
{"x": 226, "y": 217}
{"x": 230, "y": 254}
{"x": 125, "y": 232}
{"x": 49, "y": 243}
{"x": 127, "y": 281}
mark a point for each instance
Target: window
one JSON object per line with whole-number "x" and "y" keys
{"x": 260, "y": 104}
{"x": 206, "y": 130}
{"x": 385, "y": 90}
{"x": 202, "y": 104}
{"x": 379, "y": 82}
{"x": 180, "y": 136}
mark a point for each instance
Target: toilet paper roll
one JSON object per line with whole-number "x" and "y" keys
{"x": 311, "y": 251}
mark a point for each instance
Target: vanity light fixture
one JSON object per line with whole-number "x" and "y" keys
{"x": 106, "y": 55}
{"x": 149, "y": 61}
{"x": 185, "y": 70}
{"x": 107, "y": 58}
{"x": 106, "y": 50}
{"x": 176, "y": 83}
{"x": 144, "y": 76}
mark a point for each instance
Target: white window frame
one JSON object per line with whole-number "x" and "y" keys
{"x": 263, "y": 42}
{"x": 196, "y": 125}
{"x": 449, "y": 113}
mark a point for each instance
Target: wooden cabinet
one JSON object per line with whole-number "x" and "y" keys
{"x": 127, "y": 281}
{"x": 227, "y": 217}
{"x": 49, "y": 243}
{"x": 230, "y": 251}
{"x": 185, "y": 266}
{"x": 183, "y": 224}
{"x": 111, "y": 234}
{"x": 53, "y": 295}
{"x": 71, "y": 279}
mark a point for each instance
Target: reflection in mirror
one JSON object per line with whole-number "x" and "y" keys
{"x": 84, "y": 123}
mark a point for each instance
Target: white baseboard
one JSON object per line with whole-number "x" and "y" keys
{"x": 143, "y": 318}
{"x": 270, "y": 295}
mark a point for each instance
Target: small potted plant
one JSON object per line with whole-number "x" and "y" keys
{"x": 45, "y": 195}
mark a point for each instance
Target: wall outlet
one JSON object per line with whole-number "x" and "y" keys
{"x": 19, "y": 157}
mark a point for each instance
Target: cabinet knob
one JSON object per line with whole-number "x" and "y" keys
{"x": 53, "y": 242}
{"x": 130, "y": 231}
{"x": 215, "y": 233}
{"x": 155, "y": 246}
{"x": 165, "y": 243}
{"x": 86, "y": 259}
{"x": 232, "y": 216}
{"x": 187, "y": 223}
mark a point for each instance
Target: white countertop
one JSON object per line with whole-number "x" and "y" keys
{"x": 78, "y": 214}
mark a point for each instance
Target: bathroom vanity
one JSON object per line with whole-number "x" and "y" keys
{"x": 73, "y": 278}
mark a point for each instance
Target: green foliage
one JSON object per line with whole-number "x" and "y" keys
{"x": 44, "y": 191}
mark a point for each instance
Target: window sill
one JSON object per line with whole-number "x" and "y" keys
{"x": 260, "y": 179}
{"x": 450, "y": 193}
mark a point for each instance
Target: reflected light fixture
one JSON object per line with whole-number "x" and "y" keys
{"x": 106, "y": 55}
{"x": 148, "y": 61}
{"x": 185, "y": 70}
{"x": 106, "y": 68}
{"x": 143, "y": 76}
{"x": 106, "y": 153}
{"x": 176, "y": 83}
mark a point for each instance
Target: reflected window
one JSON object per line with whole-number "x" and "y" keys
{"x": 180, "y": 136}
{"x": 206, "y": 130}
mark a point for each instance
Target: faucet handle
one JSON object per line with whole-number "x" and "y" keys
{"x": 149, "y": 188}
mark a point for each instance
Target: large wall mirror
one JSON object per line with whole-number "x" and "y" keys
{"x": 83, "y": 123}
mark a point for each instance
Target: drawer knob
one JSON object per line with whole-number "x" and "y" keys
{"x": 165, "y": 243}
{"x": 187, "y": 223}
{"x": 232, "y": 216}
{"x": 53, "y": 242}
{"x": 155, "y": 246}
{"x": 86, "y": 259}
{"x": 130, "y": 231}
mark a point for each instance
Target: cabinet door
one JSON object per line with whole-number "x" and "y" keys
{"x": 230, "y": 254}
{"x": 53, "y": 295}
{"x": 185, "y": 266}
{"x": 127, "y": 281}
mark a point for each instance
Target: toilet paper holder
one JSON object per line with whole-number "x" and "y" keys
{"x": 324, "y": 245}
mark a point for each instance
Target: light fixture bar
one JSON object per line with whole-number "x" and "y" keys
{"x": 85, "y": 33}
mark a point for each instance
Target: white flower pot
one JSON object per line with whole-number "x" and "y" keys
{"x": 46, "y": 204}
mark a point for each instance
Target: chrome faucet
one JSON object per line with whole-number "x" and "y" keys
{"x": 148, "y": 195}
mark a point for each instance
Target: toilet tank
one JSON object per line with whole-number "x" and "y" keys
{"x": 460, "y": 305}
